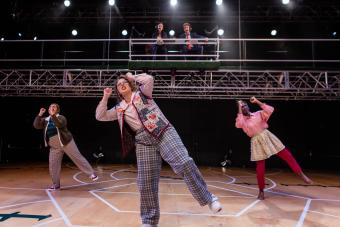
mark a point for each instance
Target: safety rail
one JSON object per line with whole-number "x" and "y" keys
{"x": 82, "y": 53}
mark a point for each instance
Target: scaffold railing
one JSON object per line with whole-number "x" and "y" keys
{"x": 282, "y": 69}
{"x": 113, "y": 53}
{"x": 185, "y": 84}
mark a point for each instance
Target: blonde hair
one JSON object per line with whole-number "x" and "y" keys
{"x": 187, "y": 24}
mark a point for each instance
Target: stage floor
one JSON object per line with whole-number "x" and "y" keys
{"x": 114, "y": 199}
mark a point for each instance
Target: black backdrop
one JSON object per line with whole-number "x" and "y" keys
{"x": 310, "y": 129}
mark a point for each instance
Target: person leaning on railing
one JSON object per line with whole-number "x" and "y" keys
{"x": 191, "y": 46}
{"x": 159, "y": 47}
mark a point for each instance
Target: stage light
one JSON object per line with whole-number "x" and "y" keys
{"x": 111, "y": 2}
{"x": 219, "y": 2}
{"x": 124, "y": 32}
{"x": 2, "y": 38}
{"x": 19, "y": 34}
{"x": 173, "y": 2}
{"x": 273, "y": 32}
{"x": 67, "y": 3}
{"x": 334, "y": 33}
{"x": 171, "y": 32}
{"x": 74, "y": 32}
{"x": 35, "y": 38}
{"x": 285, "y": 2}
{"x": 220, "y": 32}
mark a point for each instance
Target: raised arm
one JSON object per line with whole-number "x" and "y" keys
{"x": 102, "y": 113}
{"x": 267, "y": 110}
{"x": 145, "y": 81}
{"x": 39, "y": 120}
{"x": 240, "y": 118}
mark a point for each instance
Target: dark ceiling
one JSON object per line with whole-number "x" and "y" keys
{"x": 50, "y": 19}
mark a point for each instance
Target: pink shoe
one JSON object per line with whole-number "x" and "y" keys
{"x": 94, "y": 177}
{"x": 53, "y": 187}
{"x": 305, "y": 178}
{"x": 261, "y": 195}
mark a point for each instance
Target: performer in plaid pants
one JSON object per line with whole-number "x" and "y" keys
{"x": 155, "y": 138}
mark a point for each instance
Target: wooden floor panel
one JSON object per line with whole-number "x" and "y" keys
{"x": 114, "y": 199}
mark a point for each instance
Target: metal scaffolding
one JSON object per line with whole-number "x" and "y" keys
{"x": 185, "y": 84}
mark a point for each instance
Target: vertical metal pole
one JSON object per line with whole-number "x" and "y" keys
{"x": 30, "y": 79}
{"x": 130, "y": 47}
{"x": 108, "y": 44}
{"x": 218, "y": 49}
{"x": 313, "y": 54}
{"x": 41, "y": 53}
{"x": 100, "y": 78}
{"x": 239, "y": 33}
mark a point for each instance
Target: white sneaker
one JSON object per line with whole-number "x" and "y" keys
{"x": 147, "y": 225}
{"x": 215, "y": 205}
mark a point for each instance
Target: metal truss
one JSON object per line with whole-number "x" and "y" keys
{"x": 222, "y": 84}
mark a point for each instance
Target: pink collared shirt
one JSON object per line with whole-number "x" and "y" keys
{"x": 256, "y": 122}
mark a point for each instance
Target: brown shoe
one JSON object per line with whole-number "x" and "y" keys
{"x": 261, "y": 195}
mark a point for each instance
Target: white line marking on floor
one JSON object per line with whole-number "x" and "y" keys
{"x": 174, "y": 194}
{"x": 20, "y": 204}
{"x": 115, "y": 186}
{"x": 247, "y": 208}
{"x": 330, "y": 215}
{"x": 104, "y": 201}
{"x": 304, "y": 213}
{"x": 32, "y": 189}
{"x": 76, "y": 179}
{"x": 60, "y": 211}
{"x": 118, "y": 171}
{"x": 225, "y": 189}
{"x": 184, "y": 214}
{"x": 287, "y": 194}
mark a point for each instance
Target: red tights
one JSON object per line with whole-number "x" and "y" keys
{"x": 285, "y": 155}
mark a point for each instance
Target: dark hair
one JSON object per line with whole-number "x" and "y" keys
{"x": 131, "y": 84}
{"x": 156, "y": 27}
{"x": 159, "y": 22}
{"x": 243, "y": 103}
{"x": 57, "y": 105}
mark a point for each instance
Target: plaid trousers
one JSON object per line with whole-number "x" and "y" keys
{"x": 56, "y": 157}
{"x": 150, "y": 151}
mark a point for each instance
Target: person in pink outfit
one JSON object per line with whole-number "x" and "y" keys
{"x": 264, "y": 144}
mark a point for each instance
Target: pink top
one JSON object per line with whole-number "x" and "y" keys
{"x": 256, "y": 122}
